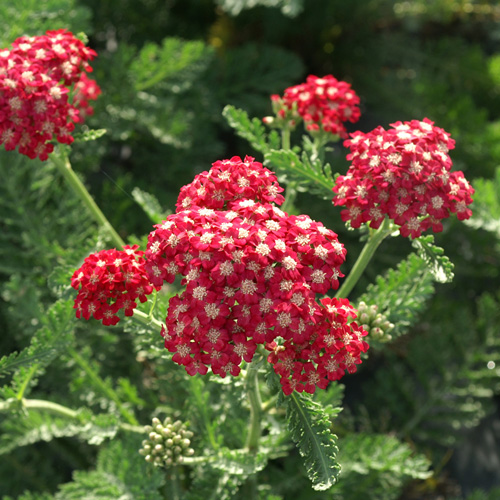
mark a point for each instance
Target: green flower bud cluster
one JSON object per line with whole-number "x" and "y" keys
{"x": 375, "y": 323}
{"x": 168, "y": 443}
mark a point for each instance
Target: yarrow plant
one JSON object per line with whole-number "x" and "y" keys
{"x": 322, "y": 103}
{"x": 252, "y": 273}
{"x": 402, "y": 173}
{"x": 44, "y": 91}
{"x": 247, "y": 278}
{"x": 108, "y": 281}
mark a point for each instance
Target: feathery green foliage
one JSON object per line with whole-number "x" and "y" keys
{"x": 310, "y": 173}
{"x": 439, "y": 264}
{"x": 401, "y": 294}
{"x": 253, "y": 130}
{"x": 120, "y": 473}
{"x": 40, "y": 425}
{"x": 447, "y": 379}
{"x": 309, "y": 424}
{"x": 376, "y": 466}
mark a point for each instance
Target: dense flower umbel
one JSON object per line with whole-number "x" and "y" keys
{"x": 252, "y": 273}
{"x": 403, "y": 173}
{"x": 323, "y": 103}
{"x": 108, "y": 281}
{"x": 36, "y": 77}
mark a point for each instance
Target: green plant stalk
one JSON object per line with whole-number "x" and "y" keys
{"x": 146, "y": 319}
{"x": 61, "y": 161}
{"x": 204, "y": 414}
{"x": 253, "y": 392}
{"x": 285, "y": 138}
{"x": 58, "y": 410}
{"x": 107, "y": 391}
{"x": 374, "y": 240}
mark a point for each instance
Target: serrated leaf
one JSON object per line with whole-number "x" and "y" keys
{"x": 401, "y": 293}
{"x": 306, "y": 172}
{"x": 309, "y": 425}
{"x": 253, "y": 130}
{"x": 89, "y": 135}
{"x": 47, "y": 342}
{"x": 121, "y": 473}
{"x": 439, "y": 264}
{"x": 240, "y": 462}
{"x": 156, "y": 64}
{"x": 36, "y": 426}
{"x": 377, "y": 466}
{"x": 150, "y": 204}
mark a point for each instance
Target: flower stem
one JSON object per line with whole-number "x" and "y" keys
{"x": 146, "y": 319}
{"x": 58, "y": 410}
{"x": 252, "y": 387}
{"x": 105, "y": 389}
{"x": 61, "y": 161}
{"x": 374, "y": 240}
{"x": 285, "y": 139}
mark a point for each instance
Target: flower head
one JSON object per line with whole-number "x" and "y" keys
{"x": 36, "y": 76}
{"x": 251, "y": 272}
{"x": 403, "y": 173}
{"x": 108, "y": 281}
{"x": 323, "y": 103}
{"x": 229, "y": 181}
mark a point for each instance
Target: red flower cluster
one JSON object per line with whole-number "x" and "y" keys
{"x": 323, "y": 103}
{"x": 335, "y": 346}
{"x": 404, "y": 173}
{"x": 251, "y": 273}
{"x": 108, "y": 281}
{"x": 36, "y": 75}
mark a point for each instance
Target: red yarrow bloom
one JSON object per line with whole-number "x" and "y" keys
{"x": 37, "y": 78}
{"x": 251, "y": 274}
{"x": 323, "y": 103}
{"x": 108, "y": 281}
{"x": 403, "y": 173}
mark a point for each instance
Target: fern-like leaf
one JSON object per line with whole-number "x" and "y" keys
{"x": 47, "y": 343}
{"x": 401, "y": 294}
{"x": 19, "y": 430}
{"x": 251, "y": 129}
{"x": 439, "y": 264}
{"x": 307, "y": 172}
{"x": 150, "y": 204}
{"x": 89, "y": 135}
{"x": 309, "y": 425}
{"x": 121, "y": 473}
{"x": 377, "y": 466}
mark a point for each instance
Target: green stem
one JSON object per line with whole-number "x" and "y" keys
{"x": 252, "y": 387}
{"x": 106, "y": 390}
{"x": 374, "y": 240}
{"x": 58, "y": 410}
{"x": 24, "y": 385}
{"x": 61, "y": 161}
{"x": 285, "y": 139}
{"x": 146, "y": 319}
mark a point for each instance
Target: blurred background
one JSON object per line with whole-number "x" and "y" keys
{"x": 168, "y": 67}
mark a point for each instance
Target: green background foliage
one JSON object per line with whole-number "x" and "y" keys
{"x": 167, "y": 70}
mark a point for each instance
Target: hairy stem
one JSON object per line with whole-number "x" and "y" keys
{"x": 58, "y": 410}
{"x": 61, "y": 161}
{"x": 252, "y": 387}
{"x": 374, "y": 240}
{"x": 99, "y": 383}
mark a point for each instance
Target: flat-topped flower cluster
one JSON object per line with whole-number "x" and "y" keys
{"x": 403, "y": 173}
{"x": 252, "y": 273}
{"x": 37, "y": 75}
{"x": 108, "y": 281}
{"x": 322, "y": 103}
